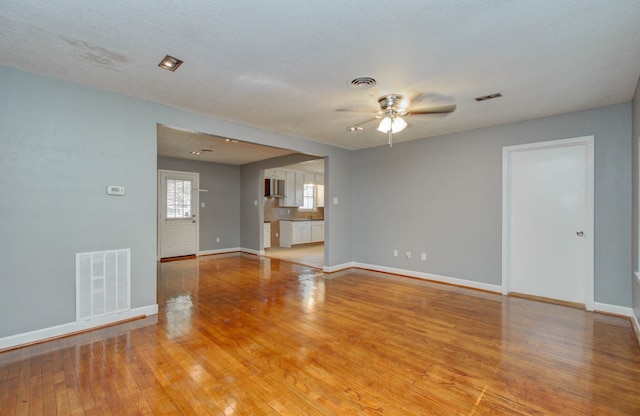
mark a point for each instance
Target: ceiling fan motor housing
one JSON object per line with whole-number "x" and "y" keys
{"x": 391, "y": 105}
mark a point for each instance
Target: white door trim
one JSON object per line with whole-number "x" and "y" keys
{"x": 507, "y": 151}
{"x": 160, "y": 207}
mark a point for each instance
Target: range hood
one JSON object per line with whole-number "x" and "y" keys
{"x": 274, "y": 188}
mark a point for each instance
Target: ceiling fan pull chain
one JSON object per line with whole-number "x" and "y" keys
{"x": 390, "y": 137}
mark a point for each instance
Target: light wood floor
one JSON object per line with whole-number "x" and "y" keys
{"x": 305, "y": 254}
{"x": 245, "y": 335}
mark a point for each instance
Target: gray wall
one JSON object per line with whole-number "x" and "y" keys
{"x": 61, "y": 144}
{"x": 635, "y": 256}
{"x": 220, "y": 216}
{"x": 442, "y": 196}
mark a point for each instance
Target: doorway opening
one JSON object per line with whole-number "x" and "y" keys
{"x": 229, "y": 170}
{"x": 294, "y": 213}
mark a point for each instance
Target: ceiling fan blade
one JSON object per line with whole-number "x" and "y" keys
{"x": 361, "y": 123}
{"x": 444, "y": 109}
{"x": 351, "y": 110}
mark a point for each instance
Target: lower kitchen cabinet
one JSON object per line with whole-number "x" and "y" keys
{"x": 317, "y": 231}
{"x": 301, "y": 232}
{"x": 267, "y": 235}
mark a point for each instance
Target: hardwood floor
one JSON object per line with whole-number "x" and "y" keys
{"x": 244, "y": 335}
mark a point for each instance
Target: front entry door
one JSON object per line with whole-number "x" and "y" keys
{"x": 548, "y": 220}
{"x": 177, "y": 213}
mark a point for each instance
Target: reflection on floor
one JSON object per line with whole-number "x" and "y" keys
{"x": 308, "y": 254}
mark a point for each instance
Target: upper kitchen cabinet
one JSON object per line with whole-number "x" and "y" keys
{"x": 314, "y": 178}
{"x": 295, "y": 177}
{"x": 320, "y": 196}
{"x": 293, "y": 189}
{"x": 274, "y": 174}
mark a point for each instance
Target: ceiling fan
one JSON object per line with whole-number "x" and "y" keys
{"x": 392, "y": 108}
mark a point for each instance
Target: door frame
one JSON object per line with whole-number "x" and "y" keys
{"x": 160, "y": 207}
{"x": 589, "y": 143}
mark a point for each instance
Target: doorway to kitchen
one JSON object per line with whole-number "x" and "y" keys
{"x": 294, "y": 213}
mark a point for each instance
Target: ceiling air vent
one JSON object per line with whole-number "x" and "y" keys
{"x": 362, "y": 82}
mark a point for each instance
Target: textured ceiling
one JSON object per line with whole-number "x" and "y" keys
{"x": 284, "y": 66}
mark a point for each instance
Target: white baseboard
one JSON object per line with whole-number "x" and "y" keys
{"x": 419, "y": 275}
{"x": 612, "y": 309}
{"x": 636, "y": 325}
{"x": 219, "y": 251}
{"x": 26, "y": 338}
{"x": 251, "y": 251}
{"x": 338, "y": 267}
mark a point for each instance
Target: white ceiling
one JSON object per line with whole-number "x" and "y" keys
{"x": 284, "y": 66}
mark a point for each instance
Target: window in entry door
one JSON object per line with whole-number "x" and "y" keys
{"x": 178, "y": 198}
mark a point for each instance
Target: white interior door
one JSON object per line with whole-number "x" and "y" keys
{"x": 177, "y": 213}
{"x": 548, "y": 220}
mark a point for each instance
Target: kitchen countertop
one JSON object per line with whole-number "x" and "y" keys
{"x": 299, "y": 220}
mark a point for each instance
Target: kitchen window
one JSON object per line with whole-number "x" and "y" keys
{"x": 309, "y": 198}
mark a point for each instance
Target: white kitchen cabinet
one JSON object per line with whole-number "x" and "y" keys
{"x": 274, "y": 174}
{"x": 300, "y": 232}
{"x": 293, "y": 189}
{"x": 317, "y": 231}
{"x": 320, "y": 196}
{"x": 314, "y": 178}
{"x": 286, "y": 233}
{"x": 267, "y": 235}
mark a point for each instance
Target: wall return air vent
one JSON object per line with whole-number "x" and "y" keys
{"x": 103, "y": 283}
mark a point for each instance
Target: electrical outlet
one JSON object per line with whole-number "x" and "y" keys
{"x": 277, "y": 235}
{"x": 423, "y": 257}
{"x": 395, "y": 253}
{"x": 217, "y": 239}
{"x": 408, "y": 254}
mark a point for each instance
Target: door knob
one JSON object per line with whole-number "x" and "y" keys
{"x": 579, "y": 233}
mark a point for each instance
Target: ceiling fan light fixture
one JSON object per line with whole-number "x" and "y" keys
{"x": 395, "y": 124}
{"x": 385, "y": 125}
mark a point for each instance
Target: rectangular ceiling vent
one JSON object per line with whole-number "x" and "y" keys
{"x": 489, "y": 97}
{"x": 103, "y": 283}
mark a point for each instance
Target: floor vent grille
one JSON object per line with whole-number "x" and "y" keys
{"x": 103, "y": 283}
